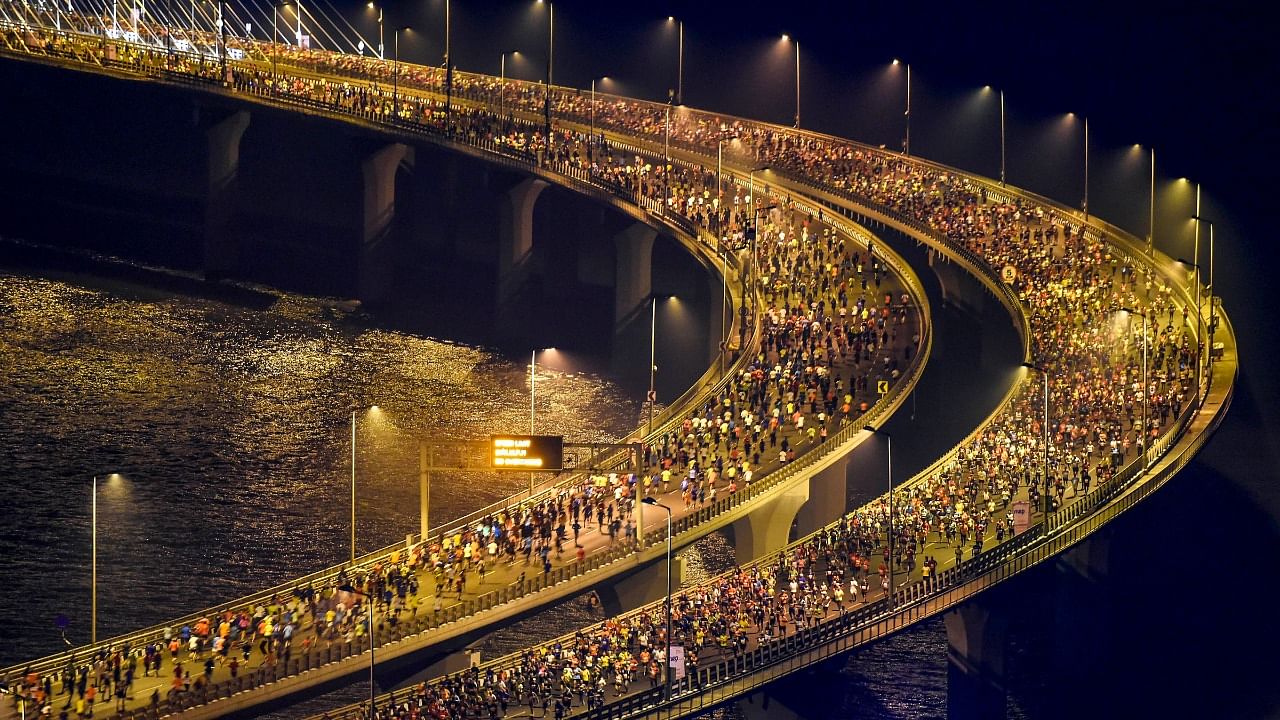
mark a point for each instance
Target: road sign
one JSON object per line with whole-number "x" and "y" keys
{"x": 882, "y": 386}
{"x": 1009, "y": 274}
{"x": 653, "y": 396}
{"x": 527, "y": 452}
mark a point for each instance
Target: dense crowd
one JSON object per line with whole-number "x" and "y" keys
{"x": 829, "y": 331}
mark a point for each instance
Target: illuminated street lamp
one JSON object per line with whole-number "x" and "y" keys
{"x": 395, "y": 73}
{"x": 889, "y": 480}
{"x": 382, "y": 55}
{"x": 93, "y": 584}
{"x": 906, "y": 146}
{"x": 353, "y": 482}
{"x": 787, "y": 38}
{"x": 1002, "y": 135}
{"x": 502, "y": 81}
{"x": 551, "y": 50}
{"x": 533, "y": 366}
{"x": 593, "y": 106}
{"x": 448, "y": 64}
{"x": 679, "y": 60}
{"x": 651, "y": 501}
{"x": 1212, "y": 288}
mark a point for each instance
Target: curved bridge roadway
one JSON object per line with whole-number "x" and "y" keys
{"x": 1132, "y": 395}
{"x": 566, "y": 578}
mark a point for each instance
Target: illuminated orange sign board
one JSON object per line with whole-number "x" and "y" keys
{"x": 527, "y": 452}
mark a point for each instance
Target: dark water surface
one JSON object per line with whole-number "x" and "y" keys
{"x": 230, "y": 427}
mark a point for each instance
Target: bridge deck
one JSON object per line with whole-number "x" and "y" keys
{"x": 510, "y": 578}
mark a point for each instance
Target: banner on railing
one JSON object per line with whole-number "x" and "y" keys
{"x": 677, "y": 661}
{"x": 1021, "y": 516}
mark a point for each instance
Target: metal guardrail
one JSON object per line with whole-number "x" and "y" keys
{"x": 1063, "y": 518}
{"x": 1054, "y": 534}
{"x": 524, "y": 162}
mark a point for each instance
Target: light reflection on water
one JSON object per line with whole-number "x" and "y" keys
{"x": 231, "y": 427}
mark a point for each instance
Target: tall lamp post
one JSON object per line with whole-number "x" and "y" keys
{"x": 1002, "y": 133}
{"x": 787, "y": 38}
{"x": 906, "y": 146}
{"x": 679, "y": 59}
{"x": 395, "y": 73}
{"x": 1146, "y": 390}
{"x": 448, "y": 66}
{"x": 533, "y": 366}
{"x": 1044, "y": 427}
{"x": 1151, "y": 209}
{"x": 1212, "y": 288}
{"x": 93, "y": 605}
{"x": 373, "y": 640}
{"x": 653, "y": 353}
{"x": 353, "y": 482}
{"x": 93, "y": 580}
{"x": 382, "y": 54}
{"x": 502, "y": 81}
{"x": 648, "y": 500}
{"x": 551, "y": 54}
{"x": 889, "y": 481}
{"x": 593, "y": 105}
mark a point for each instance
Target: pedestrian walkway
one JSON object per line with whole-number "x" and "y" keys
{"x": 1115, "y": 385}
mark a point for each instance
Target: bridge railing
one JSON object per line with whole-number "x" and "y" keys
{"x": 567, "y": 174}
{"x": 205, "y": 77}
{"x": 1041, "y": 541}
{"x": 1027, "y": 536}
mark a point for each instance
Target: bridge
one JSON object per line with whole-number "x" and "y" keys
{"x": 1058, "y": 257}
{"x": 602, "y": 557}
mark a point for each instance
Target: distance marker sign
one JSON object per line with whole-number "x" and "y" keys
{"x": 527, "y": 452}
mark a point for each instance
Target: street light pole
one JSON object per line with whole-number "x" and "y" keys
{"x": 353, "y": 487}
{"x": 907, "y": 114}
{"x": 551, "y": 49}
{"x": 1151, "y": 211}
{"x": 680, "y": 69}
{"x": 1086, "y": 167}
{"x": 797, "y": 84}
{"x": 533, "y": 366}
{"x": 653, "y": 368}
{"x": 448, "y": 67}
{"x": 889, "y": 481}
{"x": 651, "y": 501}
{"x": 395, "y": 73}
{"x": 1002, "y": 136}
{"x": 93, "y": 605}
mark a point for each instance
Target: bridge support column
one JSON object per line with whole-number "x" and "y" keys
{"x": 976, "y": 637}
{"x": 641, "y": 588}
{"x": 768, "y": 527}
{"x": 828, "y": 494}
{"x": 221, "y": 254}
{"x": 633, "y": 271}
{"x": 377, "y": 261}
{"x": 515, "y": 238}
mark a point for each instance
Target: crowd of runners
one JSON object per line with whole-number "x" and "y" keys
{"x": 833, "y": 323}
